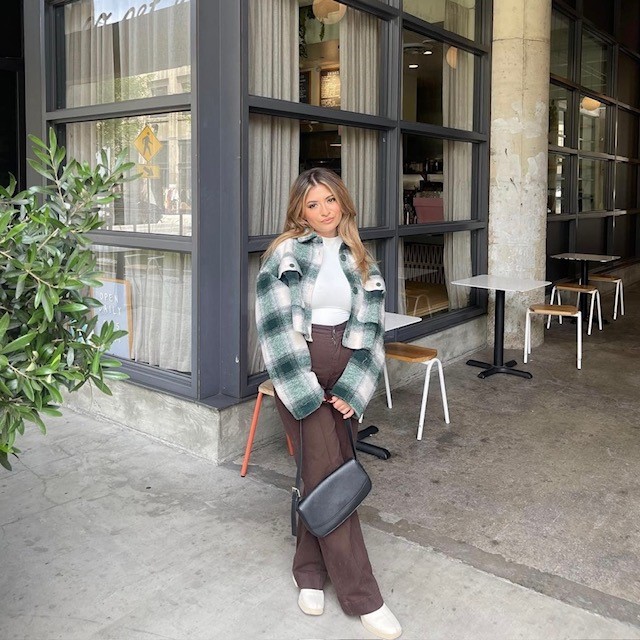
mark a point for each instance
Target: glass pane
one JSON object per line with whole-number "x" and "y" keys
{"x": 116, "y": 51}
{"x": 436, "y": 180}
{"x": 148, "y": 294}
{"x": 458, "y": 16}
{"x": 594, "y": 70}
{"x": 628, "y": 134}
{"x": 558, "y": 109}
{"x": 159, "y": 201}
{"x": 560, "y": 33}
{"x": 600, "y": 13}
{"x": 629, "y": 32}
{"x": 322, "y": 53}
{"x": 591, "y": 176}
{"x": 426, "y": 266}
{"x": 9, "y": 136}
{"x": 593, "y": 125}
{"x": 437, "y": 82}
{"x": 558, "y": 194}
{"x": 628, "y": 74}
{"x": 626, "y": 186}
{"x": 280, "y": 148}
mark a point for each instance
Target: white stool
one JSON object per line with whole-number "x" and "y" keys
{"x": 574, "y": 287}
{"x": 619, "y": 297}
{"x": 416, "y": 354}
{"x": 560, "y": 310}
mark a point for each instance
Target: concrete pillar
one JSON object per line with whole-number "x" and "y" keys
{"x": 518, "y": 166}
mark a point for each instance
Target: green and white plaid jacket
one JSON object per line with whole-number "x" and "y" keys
{"x": 283, "y": 316}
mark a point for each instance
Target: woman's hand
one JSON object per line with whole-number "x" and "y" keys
{"x": 343, "y": 407}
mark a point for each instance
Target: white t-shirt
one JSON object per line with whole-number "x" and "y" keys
{"x": 331, "y": 300}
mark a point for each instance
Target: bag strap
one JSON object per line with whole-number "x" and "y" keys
{"x": 295, "y": 490}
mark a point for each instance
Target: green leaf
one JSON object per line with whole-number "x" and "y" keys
{"x": 19, "y": 343}
{"x": 4, "y": 325}
{"x": 101, "y": 385}
{"x": 72, "y": 307}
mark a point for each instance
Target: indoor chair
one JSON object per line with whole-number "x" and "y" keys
{"x": 416, "y": 354}
{"x": 561, "y": 310}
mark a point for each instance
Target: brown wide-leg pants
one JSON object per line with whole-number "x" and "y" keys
{"x": 342, "y": 554}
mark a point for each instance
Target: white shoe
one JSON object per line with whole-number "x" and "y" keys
{"x": 311, "y": 601}
{"x": 382, "y": 623}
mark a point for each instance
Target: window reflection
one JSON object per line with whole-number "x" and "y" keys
{"x": 280, "y": 148}
{"x": 560, "y": 32}
{"x": 114, "y": 51}
{"x": 426, "y": 266}
{"x": 593, "y": 124}
{"x": 148, "y": 294}
{"x": 436, "y": 180}
{"x": 160, "y": 145}
{"x": 558, "y": 100}
{"x": 591, "y": 177}
{"x": 557, "y": 196}
{"x": 457, "y": 16}
{"x": 594, "y": 66}
{"x": 437, "y": 82}
{"x": 320, "y": 53}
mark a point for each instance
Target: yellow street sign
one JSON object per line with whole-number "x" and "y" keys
{"x": 151, "y": 171}
{"x": 147, "y": 144}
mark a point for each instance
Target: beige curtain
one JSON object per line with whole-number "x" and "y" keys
{"x": 359, "y": 46}
{"x": 274, "y": 143}
{"x": 457, "y": 109}
{"x": 119, "y": 61}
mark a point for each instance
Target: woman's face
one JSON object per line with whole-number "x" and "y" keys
{"x": 322, "y": 211}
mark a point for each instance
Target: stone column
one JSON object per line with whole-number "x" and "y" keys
{"x": 518, "y": 165}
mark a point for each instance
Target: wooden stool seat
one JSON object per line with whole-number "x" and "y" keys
{"x": 578, "y": 288}
{"x": 619, "y": 295}
{"x": 265, "y": 389}
{"x": 566, "y": 310}
{"x": 409, "y": 352}
{"x": 416, "y": 354}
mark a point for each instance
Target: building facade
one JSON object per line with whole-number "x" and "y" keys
{"x": 474, "y": 135}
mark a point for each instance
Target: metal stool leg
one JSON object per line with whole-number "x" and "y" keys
{"x": 387, "y": 387}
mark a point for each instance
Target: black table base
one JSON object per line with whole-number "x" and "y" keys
{"x": 491, "y": 369}
{"x": 371, "y": 449}
{"x": 498, "y": 365}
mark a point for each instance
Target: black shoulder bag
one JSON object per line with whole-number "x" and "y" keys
{"x": 326, "y": 507}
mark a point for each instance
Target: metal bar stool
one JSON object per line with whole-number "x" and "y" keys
{"x": 619, "y": 296}
{"x": 265, "y": 389}
{"x": 574, "y": 287}
{"x": 416, "y": 354}
{"x": 560, "y": 310}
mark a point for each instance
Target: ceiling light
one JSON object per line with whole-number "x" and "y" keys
{"x": 328, "y": 11}
{"x": 428, "y": 52}
{"x": 413, "y": 66}
{"x": 452, "y": 57}
{"x": 590, "y": 104}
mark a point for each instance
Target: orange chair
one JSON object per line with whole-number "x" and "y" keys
{"x": 265, "y": 389}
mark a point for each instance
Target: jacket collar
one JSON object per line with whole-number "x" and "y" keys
{"x": 307, "y": 237}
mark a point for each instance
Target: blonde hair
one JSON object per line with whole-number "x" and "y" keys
{"x": 295, "y": 225}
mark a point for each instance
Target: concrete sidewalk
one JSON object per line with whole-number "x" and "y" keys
{"x": 109, "y": 534}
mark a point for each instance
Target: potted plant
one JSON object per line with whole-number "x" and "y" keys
{"x": 49, "y": 340}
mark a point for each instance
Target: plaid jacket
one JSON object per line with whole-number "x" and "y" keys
{"x": 283, "y": 316}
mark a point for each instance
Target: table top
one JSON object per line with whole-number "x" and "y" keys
{"x": 501, "y": 283}
{"x": 398, "y": 320}
{"x": 593, "y": 257}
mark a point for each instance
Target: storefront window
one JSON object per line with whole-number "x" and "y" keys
{"x": 626, "y": 186}
{"x": 628, "y": 134}
{"x": 321, "y": 53}
{"x": 160, "y": 145}
{"x": 560, "y": 34}
{"x": 558, "y": 110}
{"x": 594, "y": 68}
{"x": 280, "y": 148}
{"x": 148, "y": 294}
{"x": 628, "y": 74}
{"x": 591, "y": 178}
{"x": 458, "y": 16}
{"x": 116, "y": 51}
{"x": 436, "y": 180}
{"x": 437, "y": 82}
{"x": 593, "y": 125}
{"x": 558, "y": 195}
{"x": 426, "y": 266}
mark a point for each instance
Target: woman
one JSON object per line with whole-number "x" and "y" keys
{"x": 320, "y": 318}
